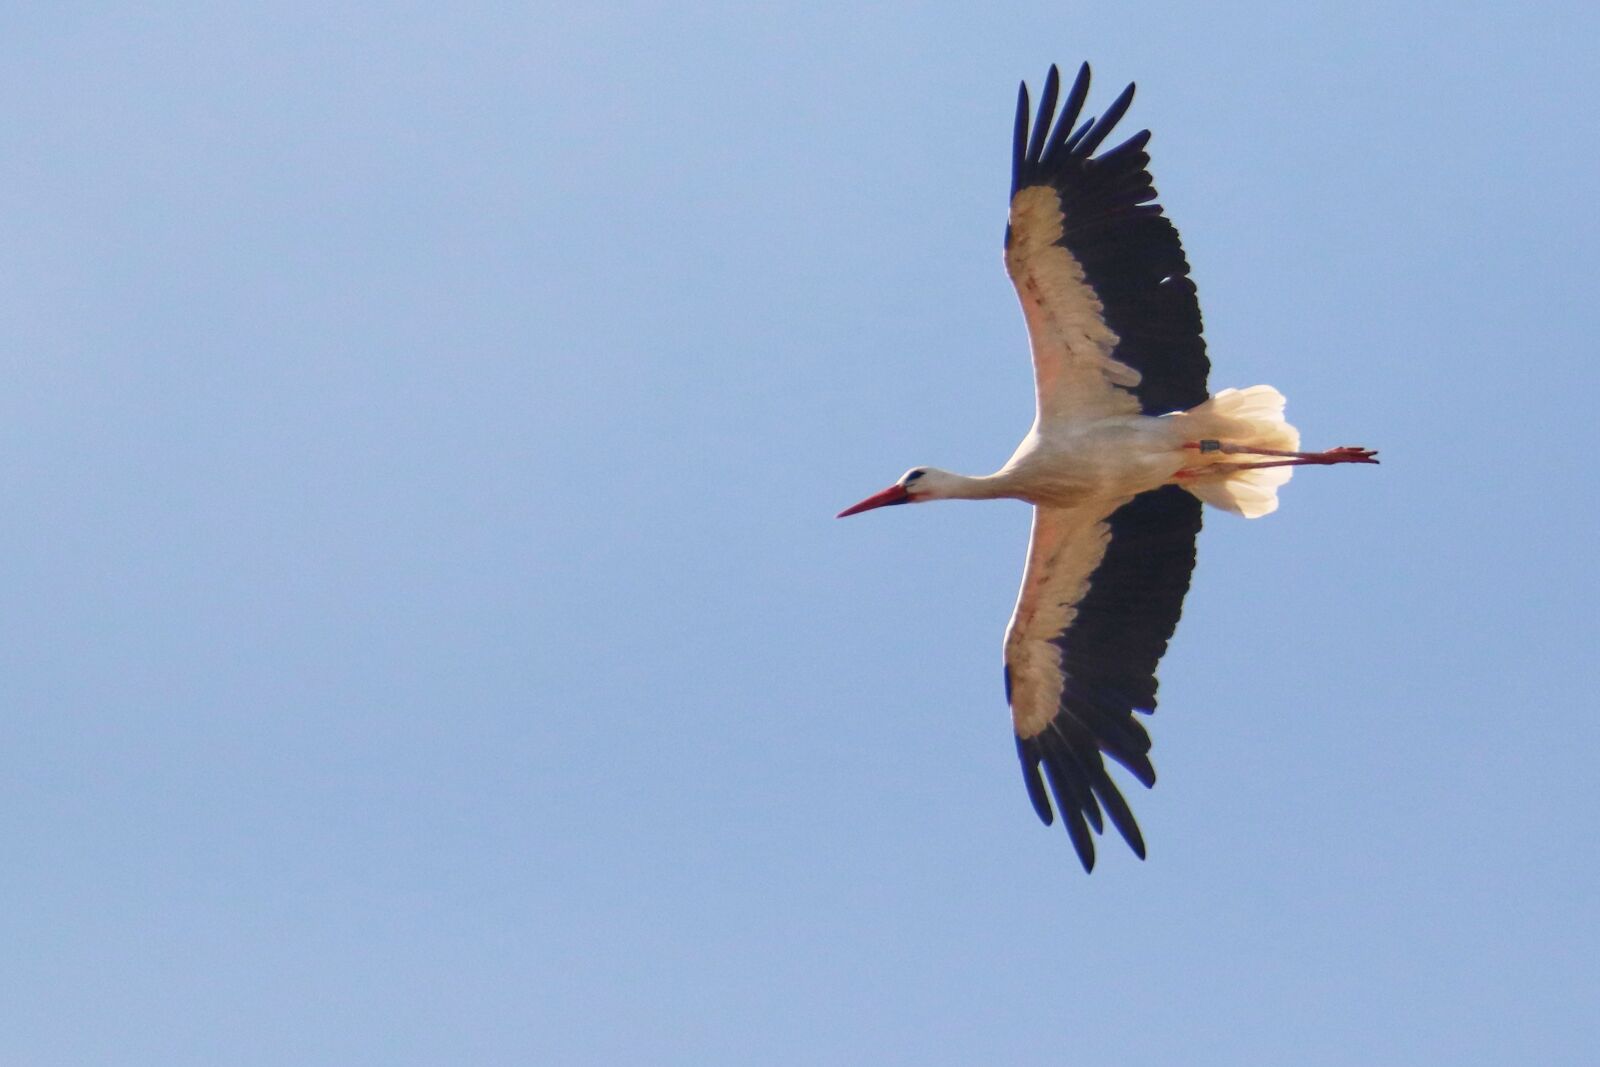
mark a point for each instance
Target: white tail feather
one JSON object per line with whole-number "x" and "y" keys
{"x": 1250, "y": 417}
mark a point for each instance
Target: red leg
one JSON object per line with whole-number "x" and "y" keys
{"x": 1342, "y": 454}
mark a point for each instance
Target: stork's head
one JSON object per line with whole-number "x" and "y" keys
{"x": 916, "y": 484}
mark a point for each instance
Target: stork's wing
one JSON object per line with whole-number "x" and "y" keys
{"x": 1100, "y": 598}
{"x": 1112, "y": 314}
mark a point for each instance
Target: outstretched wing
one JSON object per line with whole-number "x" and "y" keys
{"x": 1112, "y": 314}
{"x": 1101, "y": 595}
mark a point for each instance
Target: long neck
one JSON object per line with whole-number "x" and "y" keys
{"x": 973, "y": 487}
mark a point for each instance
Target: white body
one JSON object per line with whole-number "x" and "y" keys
{"x": 1065, "y": 462}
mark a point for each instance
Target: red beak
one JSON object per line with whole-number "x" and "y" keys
{"x": 895, "y": 494}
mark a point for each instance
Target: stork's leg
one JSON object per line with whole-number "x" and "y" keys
{"x": 1342, "y": 454}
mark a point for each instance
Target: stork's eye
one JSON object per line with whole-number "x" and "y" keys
{"x": 913, "y": 476}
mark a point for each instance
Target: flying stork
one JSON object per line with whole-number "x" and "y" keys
{"x": 1125, "y": 445}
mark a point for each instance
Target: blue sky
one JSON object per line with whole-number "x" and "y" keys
{"x": 428, "y": 639}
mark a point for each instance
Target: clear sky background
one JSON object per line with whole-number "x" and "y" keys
{"x": 426, "y": 637}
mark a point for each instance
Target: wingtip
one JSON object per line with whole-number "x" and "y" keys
{"x": 1137, "y": 764}
{"x": 1034, "y": 152}
{"x": 1036, "y": 790}
{"x": 1019, "y": 139}
{"x": 1082, "y": 842}
{"x": 1091, "y": 140}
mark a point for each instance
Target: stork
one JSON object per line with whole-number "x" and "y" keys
{"x": 1125, "y": 445}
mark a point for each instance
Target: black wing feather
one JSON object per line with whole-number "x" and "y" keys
{"x": 1047, "y": 107}
{"x": 1106, "y": 123}
{"x": 1019, "y": 138}
{"x": 1069, "y": 113}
